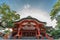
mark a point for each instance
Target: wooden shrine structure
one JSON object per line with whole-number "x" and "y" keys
{"x": 30, "y": 27}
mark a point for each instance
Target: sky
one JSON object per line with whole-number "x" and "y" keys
{"x": 39, "y": 9}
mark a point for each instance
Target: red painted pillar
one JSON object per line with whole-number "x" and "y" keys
{"x": 20, "y": 34}
{"x": 46, "y": 35}
{"x": 19, "y": 31}
{"x": 38, "y": 31}
{"x": 38, "y": 34}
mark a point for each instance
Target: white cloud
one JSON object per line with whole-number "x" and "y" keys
{"x": 26, "y": 6}
{"x": 36, "y": 13}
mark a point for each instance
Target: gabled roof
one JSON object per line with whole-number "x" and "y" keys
{"x": 29, "y": 17}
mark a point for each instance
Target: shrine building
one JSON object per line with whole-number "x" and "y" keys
{"x": 30, "y": 27}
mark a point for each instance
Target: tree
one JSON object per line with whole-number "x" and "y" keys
{"x": 55, "y": 10}
{"x": 7, "y": 15}
{"x": 54, "y": 15}
{"x": 56, "y": 34}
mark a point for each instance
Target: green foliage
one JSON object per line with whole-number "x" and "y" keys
{"x": 57, "y": 4}
{"x": 58, "y": 22}
{"x": 55, "y": 10}
{"x": 7, "y": 15}
{"x": 55, "y": 33}
{"x": 53, "y": 14}
{"x": 7, "y": 31}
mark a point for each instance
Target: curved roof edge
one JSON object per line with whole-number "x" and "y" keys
{"x": 29, "y": 17}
